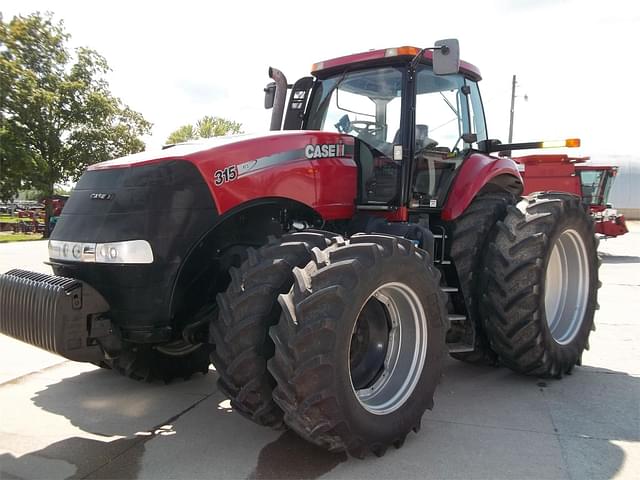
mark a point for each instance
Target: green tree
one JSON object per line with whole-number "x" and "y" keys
{"x": 206, "y": 127}
{"x": 182, "y": 134}
{"x": 57, "y": 113}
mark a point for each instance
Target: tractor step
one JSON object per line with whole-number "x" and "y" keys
{"x": 450, "y": 289}
{"x": 454, "y": 317}
{"x": 460, "y": 347}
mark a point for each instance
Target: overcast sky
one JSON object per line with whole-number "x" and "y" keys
{"x": 576, "y": 60}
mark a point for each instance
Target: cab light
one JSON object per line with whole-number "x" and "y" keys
{"x": 570, "y": 142}
{"x": 394, "y": 52}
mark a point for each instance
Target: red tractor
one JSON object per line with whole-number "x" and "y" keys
{"x": 325, "y": 268}
{"x": 592, "y": 183}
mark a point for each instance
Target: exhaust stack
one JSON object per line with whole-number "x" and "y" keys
{"x": 280, "y": 98}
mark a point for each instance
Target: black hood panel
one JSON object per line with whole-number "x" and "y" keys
{"x": 168, "y": 204}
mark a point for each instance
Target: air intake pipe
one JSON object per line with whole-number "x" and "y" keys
{"x": 280, "y": 98}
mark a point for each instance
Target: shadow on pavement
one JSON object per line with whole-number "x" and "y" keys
{"x": 608, "y": 258}
{"x": 289, "y": 457}
{"x": 102, "y": 403}
{"x": 73, "y": 457}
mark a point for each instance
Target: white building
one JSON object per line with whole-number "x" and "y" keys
{"x": 625, "y": 194}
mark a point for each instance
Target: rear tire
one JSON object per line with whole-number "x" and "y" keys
{"x": 470, "y": 232}
{"x": 247, "y": 309}
{"x": 540, "y": 285}
{"x": 322, "y": 343}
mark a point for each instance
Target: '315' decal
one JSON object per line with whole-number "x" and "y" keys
{"x": 227, "y": 174}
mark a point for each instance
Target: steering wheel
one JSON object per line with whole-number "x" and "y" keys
{"x": 365, "y": 126}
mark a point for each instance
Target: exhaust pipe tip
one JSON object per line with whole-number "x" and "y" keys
{"x": 280, "y": 98}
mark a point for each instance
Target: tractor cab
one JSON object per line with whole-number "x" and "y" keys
{"x": 413, "y": 113}
{"x": 596, "y": 183}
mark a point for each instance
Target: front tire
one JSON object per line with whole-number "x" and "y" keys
{"x": 540, "y": 285}
{"x": 359, "y": 346}
{"x": 147, "y": 363}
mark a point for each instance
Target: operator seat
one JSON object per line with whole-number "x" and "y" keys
{"x": 422, "y": 137}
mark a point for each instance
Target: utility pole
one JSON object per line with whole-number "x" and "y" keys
{"x": 513, "y": 100}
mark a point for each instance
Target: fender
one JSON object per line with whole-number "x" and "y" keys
{"x": 246, "y": 225}
{"x": 477, "y": 171}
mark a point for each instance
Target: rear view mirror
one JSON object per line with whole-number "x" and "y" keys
{"x": 446, "y": 57}
{"x": 269, "y": 95}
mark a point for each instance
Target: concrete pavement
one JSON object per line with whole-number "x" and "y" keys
{"x": 61, "y": 419}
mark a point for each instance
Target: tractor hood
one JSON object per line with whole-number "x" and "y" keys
{"x": 242, "y": 147}
{"x": 243, "y": 168}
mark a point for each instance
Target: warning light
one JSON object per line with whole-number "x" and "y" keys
{"x": 570, "y": 142}
{"x": 394, "y": 52}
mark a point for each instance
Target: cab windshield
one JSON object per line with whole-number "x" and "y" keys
{"x": 593, "y": 181}
{"x": 368, "y": 105}
{"x": 365, "y": 104}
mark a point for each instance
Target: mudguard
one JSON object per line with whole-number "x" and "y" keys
{"x": 477, "y": 171}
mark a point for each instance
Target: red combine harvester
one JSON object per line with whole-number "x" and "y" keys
{"x": 326, "y": 269}
{"x": 592, "y": 183}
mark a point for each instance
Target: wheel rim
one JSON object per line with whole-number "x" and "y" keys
{"x": 393, "y": 351}
{"x": 566, "y": 287}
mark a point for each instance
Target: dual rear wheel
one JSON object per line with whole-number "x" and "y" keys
{"x": 343, "y": 341}
{"x": 528, "y": 272}
{"x": 539, "y": 285}
{"x": 349, "y": 354}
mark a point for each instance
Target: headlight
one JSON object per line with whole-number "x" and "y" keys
{"x": 132, "y": 251}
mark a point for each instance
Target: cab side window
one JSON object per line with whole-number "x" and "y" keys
{"x": 477, "y": 113}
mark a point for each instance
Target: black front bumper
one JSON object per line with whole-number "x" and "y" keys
{"x": 62, "y": 315}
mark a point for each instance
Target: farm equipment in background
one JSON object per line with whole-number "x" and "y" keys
{"x": 56, "y": 203}
{"x": 575, "y": 175}
{"x": 325, "y": 268}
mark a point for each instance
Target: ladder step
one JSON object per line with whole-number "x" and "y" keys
{"x": 454, "y": 317}
{"x": 460, "y": 348}
{"x": 449, "y": 289}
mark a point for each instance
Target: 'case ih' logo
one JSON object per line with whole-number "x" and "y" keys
{"x": 324, "y": 151}
{"x": 101, "y": 196}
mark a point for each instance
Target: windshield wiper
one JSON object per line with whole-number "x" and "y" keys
{"x": 453, "y": 109}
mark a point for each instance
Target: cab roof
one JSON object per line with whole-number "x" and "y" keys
{"x": 326, "y": 66}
